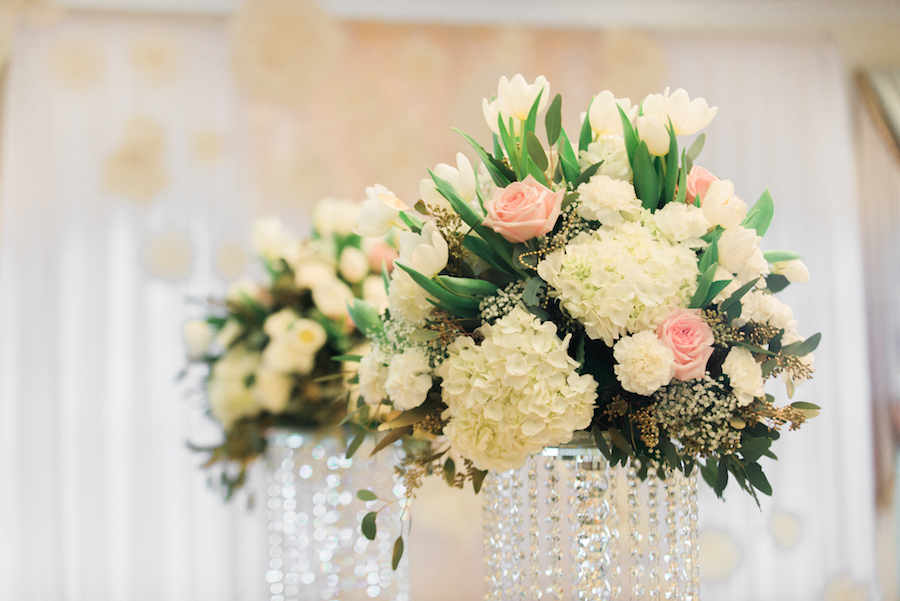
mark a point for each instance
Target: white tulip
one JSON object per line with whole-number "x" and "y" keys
{"x": 491, "y": 109}
{"x": 375, "y": 216}
{"x": 736, "y": 246}
{"x": 270, "y": 238}
{"x": 517, "y": 96}
{"x": 332, "y": 216}
{"x": 652, "y": 131}
{"x": 374, "y": 293}
{"x": 354, "y": 264}
{"x": 461, "y": 177}
{"x": 688, "y": 116}
{"x": 427, "y": 252}
{"x": 198, "y": 335}
{"x": 794, "y": 270}
{"x": 331, "y": 297}
{"x": 604, "y": 113}
{"x": 721, "y": 206}
{"x": 272, "y": 389}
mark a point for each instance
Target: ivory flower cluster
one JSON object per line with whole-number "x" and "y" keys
{"x": 515, "y": 393}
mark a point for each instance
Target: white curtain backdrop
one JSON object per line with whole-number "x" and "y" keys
{"x": 99, "y": 498}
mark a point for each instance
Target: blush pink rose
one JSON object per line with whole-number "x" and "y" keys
{"x": 698, "y": 182}
{"x": 523, "y": 210}
{"x": 690, "y": 338}
{"x": 380, "y": 255}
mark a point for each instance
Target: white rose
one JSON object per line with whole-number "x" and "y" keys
{"x": 409, "y": 379}
{"x": 794, "y": 270}
{"x": 354, "y": 264}
{"x": 331, "y": 298}
{"x": 461, "y": 177}
{"x": 229, "y": 398}
{"x": 374, "y": 293}
{"x": 604, "y": 113}
{"x": 332, "y": 216}
{"x": 745, "y": 375}
{"x": 607, "y": 200}
{"x": 426, "y": 252}
{"x": 270, "y": 239}
{"x": 721, "y": 206}
{"x": 272, "y": 389}
{"x": 198, "y": 335}
{"x": 654, "y": 133}
{"x": 737, "y": 246}
{"x": 643, "y": 363}
{"x": 376, "y": 217}
{"x": 680, "y": 222}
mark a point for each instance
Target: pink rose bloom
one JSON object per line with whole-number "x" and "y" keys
{"x": 381, "y": 254}
{"x": 698, "y": 181}
{"x": 690, "y": 338}
{"x": 523, "y": 210}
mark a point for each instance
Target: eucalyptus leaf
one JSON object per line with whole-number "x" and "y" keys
{"x": 391, "y": 437}
{"x": 801, "y": 349}
{"x": 355, "y": 443}
{"x": 721, "y": 478}
{"x": 758, "y": 479}
{"x": 805, "y": 406}
{"x": 366, "y": 495}
{"x": 553, "y": 120}
{"x": 620, "y": 441}
{"x": 368, "y": 527}
{"x": 478, "y": 479}
{"x": 696, "y": 147}
{"x": 450, "y": 471}
{"x": 422, "y": 335}
{"x": 536, "y": 151}
{"x": 776, "y": 282}
{"x": 398, "y": 553}
{"x": 531, "y": 294}
{"x": 586, "y": 175}
{"x": 409, "y": 417}
{"x": 601, "y": 443}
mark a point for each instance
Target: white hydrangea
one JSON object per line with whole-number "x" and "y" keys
{"x": 409, "y": 378}
{"x": 515, "y": 393}
{"x": 766, "y": 308}
{"x": 643, "y": 363}
{"x": 679, "y": 222}
{"x": 608, "y": 201}
{"x": 745, "y": 375}
{"x": 373, "y": 373}
{"x": 610, "y": 149}
{"x": 229, "y": 397}
{"x": 620, "y": 279}
{"x": 407, "y": 299}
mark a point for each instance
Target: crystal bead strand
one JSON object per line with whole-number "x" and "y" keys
{"x": 489, "y": 529}
{"x": 635, "y": 550}
{"x": 554, "y": 536}
{"x": 695, "y": 542}
{"x": 653, "y": 534}
{"x": 670, "y": 557}
{"x": 518, "y": 534}
{"x": 534, "y": 528}
{"x": 504, "y": 531}
{"x": 591, "y": 539}
{"x": 684, "y": 533}
{"x": 614, "y": 570}
{"x": 580, "y": 526}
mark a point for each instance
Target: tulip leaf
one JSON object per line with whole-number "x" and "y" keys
{"x": 775, "y": 256}
{"x": 460, "y": 305}
{"x": 586, "y": 134}
{"x": 646, "y": 185}
{"x": 681, "y": 195}
{"x": 531, "y": 120}
{"x": 364, "y": 316}
{"x": 500, "y": 173}
{"x": 671, "y": 167}
{"x": 760, "y": 216}
{"x": 368, "y": 527}
{"x": 398, "y": 553}
{"x": 567, "y": 157}
{"x": 553, "y": 120}
{"x": 586, "y": 175}
{"x": 629, "y": 135}
{"x": 532, "y": 169}
{"x": 486, "y": 253}
{"x": 710, "y": 256}
{"x": 347, "y": 358}
{"x": 696, "y": 147}
{"x": 536, "y": 151}
{"x": 776, "y": 282}
{"x": 509, "y": 145}
{"x": 802, "y": 348}
{"x": 468, "y": 286}
{"x": 703, "y": 284}
{"x": 411, "y": 220}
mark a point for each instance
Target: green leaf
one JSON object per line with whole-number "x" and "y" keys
{"x": 409, "y": 417}
{"x": 671, "y": 167}
{"x": 620, "y": 441}
{"x": 754, "y": 448}
{"x": 600, "y": 440}
{"x": 708, "y": 471}
{"x": 443, "y": 295}
{"x": 587, "y": 135}
{"x": 703, "y": 285}
{"x": 569, "y": 199}
{"x": 736, "y": 296}
{"x": 531, "y": 294}
{"x": 586, "y": 175}
{"x": 450, "y": 471}
{"x": 478, "y": 479}
{"x": 670, "y": 452}
{"x": 354, "y": 444}
{"x": 366, "y": 495}
{"x": 776, "y": 282}
{"x": 536, "y": 151}
{"x": 681, "y": 195}
{"x": 411, "y": 220}
{"x": 368, "y": 527}
{"x": 510, "y": 145}
{"x": 423, "y": 335}
{"x": 629, "y": 135}
{"x": 710, "y": 256}
{"x": 801, "y": 349}
{"x": 646, "y": 185}
{"x": 774, "y": 256}
{"x": 391, "y": 437}
{"x": 349, "y": 358}
{"x": 714, "y": 289}
{"x": 468, "y": 286}
{"x": 760, "y": 216}
{"x": 484, "y": 251}
{"x": 567, "y": 158}
{"x": 696, "y": 147}
{"x": 553, "y": 120}
{"x": 768, "y": 366}
{"x": 758, "y": 479}
{"x": 805, "y": 406}
{"x": 398, "y": 553}
{"x": 721, "y": 478}
{"x": 500, "y": 173}
{"x": 531, "y": 120}
{"x": 364, "y": 316}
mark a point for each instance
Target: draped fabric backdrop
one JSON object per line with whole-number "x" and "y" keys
{"x": 130, "y": 170}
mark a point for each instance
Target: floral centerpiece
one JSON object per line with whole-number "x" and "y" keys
{"x": 272, "y": 355}
{"x": 604, "y": 284}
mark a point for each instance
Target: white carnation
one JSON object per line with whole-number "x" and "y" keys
{"x": 373, "y": 373}
{"x": 607, "y": 200}
{"x": 680, "y": 222}
{"x": 407, "y": 299}
{"x": 409, "y": 379}
{"x": 515, "y": 393}
{"x": 643, "y": 363}
{"x": 272, "y": 389}
{"x": 229, "y": 397}
{"x": 745, "y": 375}
{"x": 766, "y": 308}
{"x": 609, "y": 150}
{"x": 621, "y": 279}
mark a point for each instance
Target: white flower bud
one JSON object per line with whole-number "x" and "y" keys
{"x": 354, "y": 264}
{"x": 794, "y": 270}
{"x": 652, "y": 131}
